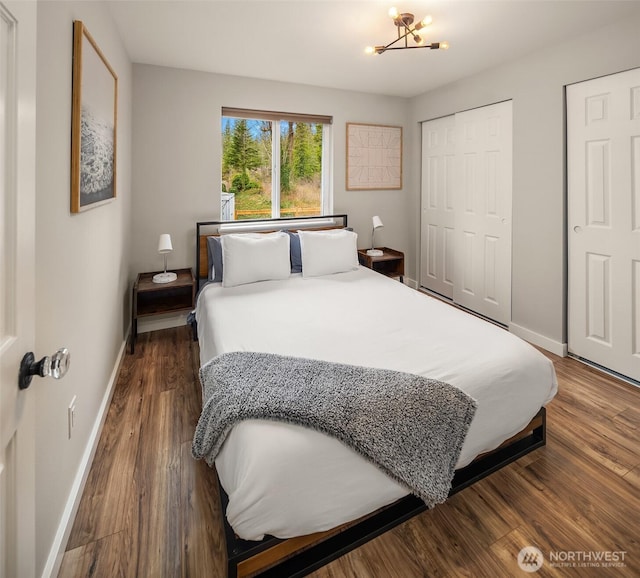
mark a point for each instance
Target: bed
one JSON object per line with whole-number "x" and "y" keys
{"x": 296, "y": 498}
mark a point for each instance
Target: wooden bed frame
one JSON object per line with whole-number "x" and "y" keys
{"x": 276, "y": 558}
{"x": 295, "y": 557}
{"x": 202, "y": 257}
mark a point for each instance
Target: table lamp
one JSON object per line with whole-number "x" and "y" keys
{"x": 373, "y": 252}
{"x": 164, "y": 248}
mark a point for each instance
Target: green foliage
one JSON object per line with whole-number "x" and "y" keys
{"x": 242, "y": 182}
{"x": 304, "y": 160}
{"x": 253, "y": 205}
{"x": 317, "y": 144}
{"x": 226, "y": 153}
{"x": 247, "y": 162}
{"x": 243, "y": 150}
{"x": 285, "y": 177}
{"x": 286, "y": 148}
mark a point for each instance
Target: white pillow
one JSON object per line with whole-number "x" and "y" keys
{"x": 327, "y": 252}
{"x": 248, "y": 258}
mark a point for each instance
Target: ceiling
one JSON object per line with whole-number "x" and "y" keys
{"x": 321, "y": 42}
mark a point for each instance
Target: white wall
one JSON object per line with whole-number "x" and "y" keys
{"x": 177, "y": 147}
{"x": 536, "y": 85}
{"x": 82, "y": 274}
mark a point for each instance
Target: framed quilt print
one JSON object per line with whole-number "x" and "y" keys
{"x": 374, "y": 157}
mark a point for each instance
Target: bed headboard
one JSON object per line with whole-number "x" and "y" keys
{"x": 206, "y": 229}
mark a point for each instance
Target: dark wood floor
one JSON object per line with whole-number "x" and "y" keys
{"x": 150, "y": 510}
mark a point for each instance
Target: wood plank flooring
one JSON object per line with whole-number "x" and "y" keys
{"x": 150, "y": 510}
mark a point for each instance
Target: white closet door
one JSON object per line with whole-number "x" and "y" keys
{"x": 603, "y": 153}
{"x": 483, "y": 211}
{"x": 438, "y": 211}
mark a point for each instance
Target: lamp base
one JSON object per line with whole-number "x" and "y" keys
{"x": 166, "y": 277}
{"x": 375, "y": 252}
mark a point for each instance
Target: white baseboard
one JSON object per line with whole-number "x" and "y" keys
{"x": 411, "y": 282}
{"x": 555, "y": 347}
{"x": 54, "y": 560}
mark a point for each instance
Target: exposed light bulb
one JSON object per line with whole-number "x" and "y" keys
{"x": 424, "y": 22}
{"x": 393, "y": 12}
{"x": 444, "y": 46}
{"x": 418, "y": 39}
{"x": 369, "y": 50}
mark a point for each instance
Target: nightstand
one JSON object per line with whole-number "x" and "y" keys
{"x": 391, "y": 263}
{"x": 151, "y": 298}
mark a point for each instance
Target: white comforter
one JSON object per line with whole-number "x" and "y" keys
{"x": 285, "y": 480}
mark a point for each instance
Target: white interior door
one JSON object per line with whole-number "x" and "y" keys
{"x": 603, "y": 154}
{"x": 438, "y": 210}
{"x": 17, "y": 282}
{"x": 483, "y": 219}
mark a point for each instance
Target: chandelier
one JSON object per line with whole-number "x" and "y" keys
{"x": 406, "y": 30}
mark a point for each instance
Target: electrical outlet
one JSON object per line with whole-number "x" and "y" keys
{"x": 72, "y": 415}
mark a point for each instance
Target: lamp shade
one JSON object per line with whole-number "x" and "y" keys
{"x": 377, "y": 224}
{"x": 164, "y": 247}
{"x": 164, "y": 244}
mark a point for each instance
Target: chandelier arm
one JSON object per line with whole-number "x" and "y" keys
{"x": 412, "y": 47}
{"x": 406, "y": 34}
{"x": 400, "y": 37}
{"x": 407, "y": 47}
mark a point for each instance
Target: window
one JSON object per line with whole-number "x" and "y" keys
{"x": 275, "y": 165}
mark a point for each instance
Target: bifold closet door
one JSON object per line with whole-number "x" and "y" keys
{"x": 438, "y": 205}
{"x": 603, "y": 154}
{"x": 466, "y": 209}
{"x": 483, "y": 215}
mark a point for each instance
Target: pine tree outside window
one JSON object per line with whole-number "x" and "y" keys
{"x": 275, "y": 164}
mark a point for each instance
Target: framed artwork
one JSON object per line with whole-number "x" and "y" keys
{"x": 94, "y": 117}
{"x": 374, "y": 157}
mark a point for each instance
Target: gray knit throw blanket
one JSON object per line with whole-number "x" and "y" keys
{"x": 409, "y": 426}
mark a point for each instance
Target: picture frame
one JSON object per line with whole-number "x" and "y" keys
{"x": 374, "y": 157}
{"x": 94, "y": 124}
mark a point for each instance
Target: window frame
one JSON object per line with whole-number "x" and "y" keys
{"x": 326, "y": 180}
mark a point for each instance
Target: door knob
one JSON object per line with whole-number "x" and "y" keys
{"x": 56, "y": 366}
